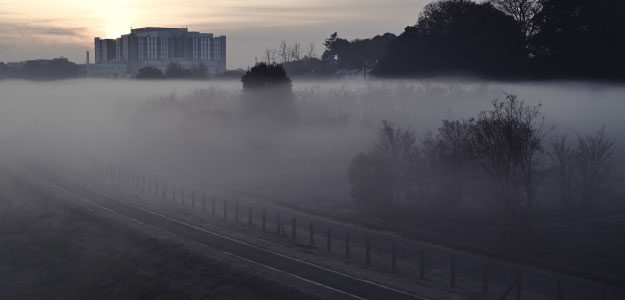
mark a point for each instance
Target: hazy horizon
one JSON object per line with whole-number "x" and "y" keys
{"x": 27, "y": 31}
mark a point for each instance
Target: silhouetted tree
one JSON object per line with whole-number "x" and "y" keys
{"x": 457, "y": 37}
{"x": 175, "y": 70}
{"x": 199, "y": 71}
{"x": 506, "y": 141}
{"x": 580, "y": 39}
{"x": 563, "y": 157}
{"x": 388, "y": 167}
{"x": 346, "y": 54}
{"x": 150, "y": 73}
{"x": 449, "y": 155}
{"x": 267, "y": 91}
{"x": 396, "y": 146}
{"x": 595, "y": 159}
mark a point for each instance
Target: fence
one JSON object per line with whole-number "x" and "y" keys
{"x": 376, "y": 251}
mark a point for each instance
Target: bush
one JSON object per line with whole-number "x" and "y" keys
{"x": 267, "y": 92}
{"x": 150, "y": 73}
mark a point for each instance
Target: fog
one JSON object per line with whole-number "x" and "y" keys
{"x": 192, "y": 131}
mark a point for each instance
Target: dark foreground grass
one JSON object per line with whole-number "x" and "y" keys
{"x": 56, "y": 249}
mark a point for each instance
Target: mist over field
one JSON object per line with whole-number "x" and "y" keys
{"x": 194, "y": 130}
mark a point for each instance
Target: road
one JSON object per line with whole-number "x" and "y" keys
{"x": 348, "y": 285}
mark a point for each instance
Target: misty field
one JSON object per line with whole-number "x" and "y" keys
{"x": 194, "y": 133}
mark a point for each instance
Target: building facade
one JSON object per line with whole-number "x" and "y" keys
{"x": 157, "y": 47}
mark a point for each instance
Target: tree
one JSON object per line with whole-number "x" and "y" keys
{"x": 562, "y": 157}
{"x": 595, "y": 160}
{"x": 296, "y": 51}
{"x": 354, "y": 54}
{"x": 523, "y": 11}
{"x": 456, "y": 37}
{"x": 310, "y": 51}
{"x": 396, "y": 146}
{"x": 580, "y": 39}
{"x": 381, "y": 177}
{"x": 284, "y": 52}
{"x": 449, "y": 155}
{"x": 506, "y": 141}
{"x": 175, "y": 70}
{"x": 270, "y": 56}
{"x": 198, "y": 71}
{"x": 267, "y": 91}
{"x": 150, "y": 73}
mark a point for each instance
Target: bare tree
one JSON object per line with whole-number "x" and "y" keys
{"x": 595, "y": 158}
{"x": 284, "y": 52}
{"x": 296, "y": 51}
{"x": 447, "y": 156}
{"x": 522, "y": 11}
{"x": 270, "y": 56}
{"x": 507, "y": 140}
{"x": 397, "y": 146}
{"x": 563, "y": 158}
{"x": 310, "y": 51}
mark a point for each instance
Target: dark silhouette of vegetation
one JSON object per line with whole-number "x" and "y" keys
{"x": 456, "y": 37}
{"x": 496, "y": 39}
{"x": 579, "y": 39}
{"x": 382, "y": 176}
{"x": 595, "y": 159}
{"x": 177, "y": 71}
{"x": 150, "y": 73}
{"x": 343, "y": 54}
{"x": 42, "y": 69}
{"x": 267, "y": 91}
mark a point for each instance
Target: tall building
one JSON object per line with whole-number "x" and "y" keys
{"x": 157, "y": 47}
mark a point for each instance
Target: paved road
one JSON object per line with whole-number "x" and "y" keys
{"x": 343, "y": 283}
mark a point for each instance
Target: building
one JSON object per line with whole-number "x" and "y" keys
{"x": 157, "y": 47}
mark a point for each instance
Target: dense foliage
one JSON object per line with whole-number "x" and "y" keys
{"x": 500, "y": 38}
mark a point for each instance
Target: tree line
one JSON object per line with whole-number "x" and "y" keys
{"x": 174, "y": 70}
{"x": 539, "y": 39}
{"x": 41, "y": 69}
{"x": 505, "y": 146}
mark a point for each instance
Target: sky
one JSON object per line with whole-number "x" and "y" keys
{"x": 32, "y": 29}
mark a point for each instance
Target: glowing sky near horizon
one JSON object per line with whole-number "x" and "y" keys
{"x": 43, "y": 29}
